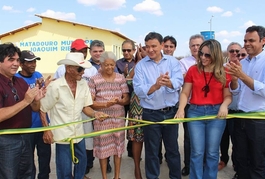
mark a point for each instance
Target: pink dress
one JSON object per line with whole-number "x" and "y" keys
{"x": 113, "y": 143}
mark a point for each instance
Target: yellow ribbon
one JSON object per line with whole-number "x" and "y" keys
{"x": 253, "y": 115}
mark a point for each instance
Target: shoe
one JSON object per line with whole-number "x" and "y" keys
{"x": 88, "y": 169}
{"x": 109, "y": 168}
{"x": 221, "y": 165}
{"x": 185, "y": 171}
{"x": 235, "y": 176}
{"x": 85, "y": 177}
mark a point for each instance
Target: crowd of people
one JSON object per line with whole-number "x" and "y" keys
{"x": 148, "y": 83}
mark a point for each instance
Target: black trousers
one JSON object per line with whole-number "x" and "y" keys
{"x": 249, "y": 141}
{"x": 225, "y": 141}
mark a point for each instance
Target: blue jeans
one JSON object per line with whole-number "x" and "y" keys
{"x": 152, "y": 137}
{"x": 44, "y": 155}
{"x": 15, "y": 156}
{"x": 205, "y": 138}
{"x": 64, "y": 161}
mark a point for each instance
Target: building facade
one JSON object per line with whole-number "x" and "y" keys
{"x": 51, "y": 40}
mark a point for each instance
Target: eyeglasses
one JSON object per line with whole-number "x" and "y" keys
{"x": 80, "y": 69}
{"x": 14, "y": 91}
{"x": 241, "y": 54}
{"x": 206, "y": 55}
{"x": 169, "y": 46}
{"x": 233, "y": 51}
{"x": 128, "y": 50}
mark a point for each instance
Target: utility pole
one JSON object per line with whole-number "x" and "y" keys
{"x": 211, "y": 27}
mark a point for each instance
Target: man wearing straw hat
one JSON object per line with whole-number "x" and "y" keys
{"x": 65, "y": 99}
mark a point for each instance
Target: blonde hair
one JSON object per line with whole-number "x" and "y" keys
{"x": 217, "y": 59}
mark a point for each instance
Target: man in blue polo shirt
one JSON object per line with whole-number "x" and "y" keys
{"x": 28, "y": 63}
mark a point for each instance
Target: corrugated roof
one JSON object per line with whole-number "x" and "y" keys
{"x": 19, "y": 29}
{"x": 74, "y": 23}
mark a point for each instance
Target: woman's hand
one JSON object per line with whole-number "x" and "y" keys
{"x": 112, "y": 102}
{"x": 179, "y": 114}
{"x": 223, "y": 111}
{"x": 101, "y": 116}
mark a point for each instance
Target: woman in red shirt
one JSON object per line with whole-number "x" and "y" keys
{"x": 207, "y": 86}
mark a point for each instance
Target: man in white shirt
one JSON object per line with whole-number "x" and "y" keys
{"x": 65, "y": 99}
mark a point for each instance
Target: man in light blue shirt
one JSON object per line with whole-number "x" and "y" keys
{"x": 157, "y": 81}
{"x": 248, "y": 80}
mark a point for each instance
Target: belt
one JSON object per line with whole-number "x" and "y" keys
{"x": 231, "y": 111}
{"x": 165, "y": 109}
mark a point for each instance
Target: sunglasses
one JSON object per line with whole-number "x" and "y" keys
{"x": 14, "y": 91}
{"x": 241, "y": 54}
{"x": 80, "y": 69}
{"x": 128, "y": 50}
{"x": 206, "y": 55}
{"x": 233, "y": 51}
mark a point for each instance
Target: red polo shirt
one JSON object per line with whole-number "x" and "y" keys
{"x": 23, "y": 118}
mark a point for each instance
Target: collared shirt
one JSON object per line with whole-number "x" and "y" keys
{"x": 186, "y": 63}
{"x": 97, "y": 66}
{"x": 65, "y": 108}
{"x": 252, "y": 100}
{"x": 87, "y": 73}
{"x": 146, "y": 73}
{"x": 31, "y": 81}
{"x": 7, "y": 98}
{"x": 120, "y": 64}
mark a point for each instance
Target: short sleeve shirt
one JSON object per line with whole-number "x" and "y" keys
{"x": 65, "y": 108}
{"x": 215, "y": 95}
{"x": 7, "y": 98}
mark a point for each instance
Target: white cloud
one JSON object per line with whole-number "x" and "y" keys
{"x": 103, "y": 4}
{"x": 214, "y": 9}
{"x": 123, "y": 19}
{"x": 31, "y": 9}
{"x": 7, "y": 8}
{"x": 226, "y": 41}
{"x": 59, "y": 15}
{"x": 248, "y": 24}
{"x": 149, "y": 6}
{"x": 237, "y": 10}
{"x": 27, "y": 22}
{"x": 227, "y": 14}
{"x": 226, "y": 34}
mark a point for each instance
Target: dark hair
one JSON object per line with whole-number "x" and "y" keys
{"x": 171, "y": 39}
{"x": 259, "y": 29}
{"x": 129, "y": 42}
{"x": 8, "y": 50}
{"x": 152, "y": 36}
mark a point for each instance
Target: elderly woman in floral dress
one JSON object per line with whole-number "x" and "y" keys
{"x": 110, "y": 93}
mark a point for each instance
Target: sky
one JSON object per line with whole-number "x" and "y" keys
{"x": 136, "y": 18}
